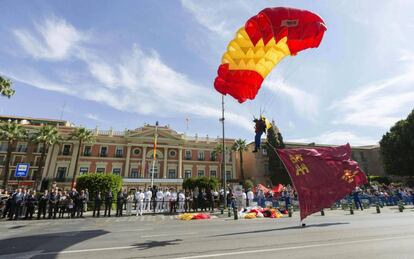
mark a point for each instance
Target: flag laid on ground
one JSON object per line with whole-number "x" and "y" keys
{"x": 321, "y": 175}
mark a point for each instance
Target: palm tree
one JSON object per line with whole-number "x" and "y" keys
{"x": 5, "y": 87}
{"x": 216, "y": 152}
{"x": 12, "y": 133}
{"x": 240, "y": 146}
{"x": 47, "y": 136}
{"x": 83, "y": 136}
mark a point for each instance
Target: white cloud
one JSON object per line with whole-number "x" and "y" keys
{"x": 338, "y": 138}
{"x": 137, "y": 81}
{"x": 305, "y": 103}
{"x": 378, "y": 104}
{"x": 210, "y": 15}
{"x": 54, "y": 39}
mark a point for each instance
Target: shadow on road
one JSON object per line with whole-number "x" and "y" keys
{"x": 45, "y": 245}
{"x": 278, "y": 229}
{"x": 155, "y": 244}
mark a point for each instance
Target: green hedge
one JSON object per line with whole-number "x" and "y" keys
{"x": 99, "y": 182}
{"x": 379, "y": 179}
{"x": 200, "y": 182}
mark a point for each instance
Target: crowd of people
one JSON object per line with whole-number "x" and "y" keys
{"x": 58, "y": 203}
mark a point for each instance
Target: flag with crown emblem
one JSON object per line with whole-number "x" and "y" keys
{"x": 321, "y": 175}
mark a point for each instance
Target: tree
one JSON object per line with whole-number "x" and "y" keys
{"x": 278, "y": 173}
{"x": 47, "y": 136}
{"x": 397, "y": 148}
{"x": 248, "y": 184}
{"x": 12, "y": 133}
{"x": 83, "y": 136}
{"x": 99, "y": 182}
{"x": 5, "y": 87}
{"x": 200, "y": 182}
{"x": 240, "y": 146}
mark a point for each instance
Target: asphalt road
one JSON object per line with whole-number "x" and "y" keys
{"x": 336, "y": 235}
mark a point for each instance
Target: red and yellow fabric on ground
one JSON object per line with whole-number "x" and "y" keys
{"x": 261, "y": 44}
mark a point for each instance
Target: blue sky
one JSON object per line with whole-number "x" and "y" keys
{"x": 125, "y": 63}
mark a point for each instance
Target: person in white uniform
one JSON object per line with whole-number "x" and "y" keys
{"x": 159, "y": 198}
{"x": 250, "y": 198}
{"x": 139, "y": 196}
{"x": 166, "y": 203}
{"x": 181, "y": 200}
{"x": 147, "y": 200}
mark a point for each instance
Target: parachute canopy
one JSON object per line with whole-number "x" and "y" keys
{"x": 259, "y": 46}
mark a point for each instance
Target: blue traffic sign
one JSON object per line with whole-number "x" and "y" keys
{"x": 22, "y": 169}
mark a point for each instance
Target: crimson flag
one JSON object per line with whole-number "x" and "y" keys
{"x": 321, "y": 176}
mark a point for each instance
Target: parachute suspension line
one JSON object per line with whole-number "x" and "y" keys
{"x": 223, "y": 171}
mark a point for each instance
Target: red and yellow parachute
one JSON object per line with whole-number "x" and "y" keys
{"x": 259, "y": 46}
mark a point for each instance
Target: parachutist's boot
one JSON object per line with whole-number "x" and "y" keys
{"x": 255, "y": 150}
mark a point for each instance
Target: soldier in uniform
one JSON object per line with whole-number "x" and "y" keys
{"x": 159, "y": 200}
{"x": 53, "y": 198}
{"x": 80, "y": 204}
{"x": 30, "y": 205}
{"x": 148, "y": 198}
{"x": 97, "y": 204}
{"x": 108, "y": 203}
{"x": 43, "y": 200}
{"x": 139, "y": 196}
{"x": 120, "y": 198}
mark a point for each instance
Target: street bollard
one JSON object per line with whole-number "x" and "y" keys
{"x": 351, "y": 209}
{"x": 290, "y": 211}
{"x": 322, "y": 212}
{"x": 221, "y": 209}
{"x": 400, "y": 206}
{"x": 236, "y": 216}
{"x": 229, "y": 212}
{"x": 378, "y": 208}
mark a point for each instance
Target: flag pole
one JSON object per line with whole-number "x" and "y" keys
{"x": 154, "y": 157}
{"x": 224, "y": 175}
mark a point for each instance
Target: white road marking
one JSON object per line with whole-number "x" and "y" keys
{"x": 231, "y": 253}
{"x": 293, "y": 247}
{"x": 170, "y": 234}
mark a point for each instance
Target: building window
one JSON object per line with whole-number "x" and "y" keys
{"x": 116, "y": 171}
{"x": 200, "y": 155}
{"x": 136, "y": 151}
{"x": 119, "y": 152}
{"x": 213, "y": 173}
{"x": 2, "y": 158}
{"x": 188, "y": 155}
{"x": 61, "y": 173}
{"x": 100, "y": 170}
{"x": 213, "y": 156}
{"x": 87, "y": 151}
{"x": 3, "y": 146}
{"x": 155, "y": 172}
{"x": 172, "y": 174}
{"x": 187, "y": 174}
{"x": 200, "y": 173}
{"x": 40, "y": 148}
{"x": 66, "y": 150}
{"x": 83, "y": 170}
{"x": 134, "y": 173}
{"x": 104, "y": 152}
{"x": 362, "y": 156}
{"x": 21, "y": 147}
{"x": 172, "y": 153}
{"x": 228, "y": 175}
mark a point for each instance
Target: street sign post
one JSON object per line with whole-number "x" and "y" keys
{"x": 22, "y": 169}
